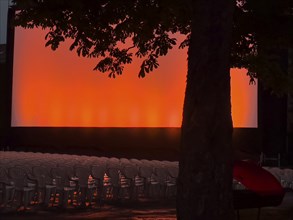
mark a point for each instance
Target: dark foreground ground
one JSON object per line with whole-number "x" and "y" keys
{"x": 142, "y": 210}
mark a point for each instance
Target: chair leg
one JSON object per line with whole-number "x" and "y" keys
{"x": 238, "y": 214}
{"x": 258, "y": 213}
{"x": 90, "y": 195}
{"x": 82, "y": 198}
{"x": 48, "y": 194}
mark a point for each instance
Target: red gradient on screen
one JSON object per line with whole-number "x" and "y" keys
{"x": 60, "y": 89}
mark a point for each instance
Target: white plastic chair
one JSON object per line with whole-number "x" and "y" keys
{"x": 85, "y": 189}
{"x": 113, "y": 185}
{"x": 160, "y": 181}
{"x": 23, "y": 193}
{"x": 146, "y": 173}
{"x": 64, "y": 190}
{"x": 172, "y": 180}
{"x": 127, "y": 181}
{"x": 45, "y": 187}
{"x": 98, "y": 172}
{"x": 6, "y": 189}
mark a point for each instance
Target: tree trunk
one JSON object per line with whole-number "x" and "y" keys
{"x": 205, "y": 167}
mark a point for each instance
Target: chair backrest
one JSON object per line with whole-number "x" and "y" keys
{"x": 113, "y": 163}
{"x": 18, "y": 176}
{"x": 136, "y": 162}
{"x": 146, "y": 162}
{"x": 83, "y": 174}
{"x": 98, "y": 171}
{"x": 173, "y": 171}
{"x": 161, "y": 174}
{"x": 67, "y": 170}
{"x": 146, "y": 171}
{"x": 3, "y": 176}
{"x": 129, "y": 172}
{"x": 124, "y": 161}
{"x": 61, "y": 177}
{"x": 113, "y": 174}
{"x": 41, "y": 174}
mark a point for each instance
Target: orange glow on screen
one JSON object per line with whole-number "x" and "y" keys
{"x": 60, "y": 89}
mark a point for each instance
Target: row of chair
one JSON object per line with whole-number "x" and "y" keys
{"x": 54, "y": 179}
{"x": 46, "y": 179}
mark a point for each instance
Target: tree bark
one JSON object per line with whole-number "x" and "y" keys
{"x": 205, "y": 167}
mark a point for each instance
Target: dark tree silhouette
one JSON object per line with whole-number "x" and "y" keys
{"x": 219, "y": 34}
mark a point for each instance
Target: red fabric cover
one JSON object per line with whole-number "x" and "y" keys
{"x": 257, "y": 179}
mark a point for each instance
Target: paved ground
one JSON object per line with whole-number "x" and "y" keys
{"x": 143, "y": 210}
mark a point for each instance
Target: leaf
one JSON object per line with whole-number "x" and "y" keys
{"x": 48, "y": 43}
{"x": 78, "y": 51}
{"x": 141, "y": 73}
{"x": 48, "y": 35}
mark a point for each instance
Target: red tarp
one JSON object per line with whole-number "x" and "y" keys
{"x": 257, "y": 179}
